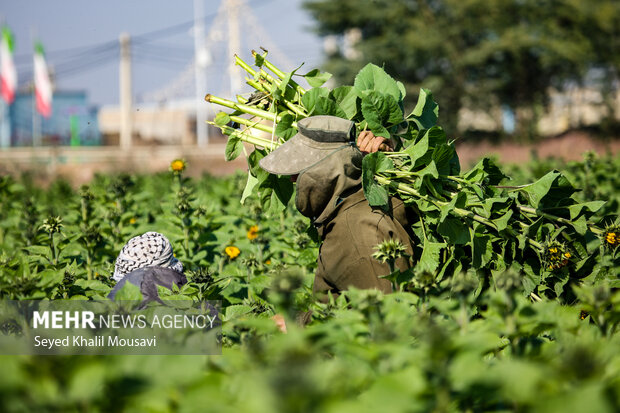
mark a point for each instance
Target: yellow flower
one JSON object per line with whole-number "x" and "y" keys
{"x": 567, "y": 254}
{"x": 612, "y": 238}
{"x": 177, "y": 166}
{"x": 268, "y": 262}
{"x": 232, "y": 252}
{"x": 132, "y": 221}
{"x": 253, "y": 232}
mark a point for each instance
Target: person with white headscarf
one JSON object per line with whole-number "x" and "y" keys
{"x": 147, "y": 261}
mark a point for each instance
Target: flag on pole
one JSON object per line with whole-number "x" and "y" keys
{"x": 42, "y": 83}
{"x": 8, "y": 74}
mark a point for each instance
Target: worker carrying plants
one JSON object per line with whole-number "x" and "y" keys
{"x": 326, "y": 164}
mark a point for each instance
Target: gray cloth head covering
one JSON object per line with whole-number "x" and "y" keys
{"x": 146, "y": 250}
{"x": 317, "y": 138}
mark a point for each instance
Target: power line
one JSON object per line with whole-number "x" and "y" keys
{"x": 71, "y": 52}
{"x": 150, "y": 36}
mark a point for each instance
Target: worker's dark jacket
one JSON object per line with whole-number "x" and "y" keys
{"x": 330, "y": 193}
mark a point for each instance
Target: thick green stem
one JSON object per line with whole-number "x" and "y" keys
{"x": 245, "y": 66}
{"x": 280, "y": 74}
{"x": 407, "y": 190}
{"x": 265, "y": 143}
{"x": 296, "y": 109}
{"x": 89, "y": 270}
{"x": 251, "y": 110}
{"x": 256, "y": 85}
{"x": 251, "y": 124}
{"x": 539, "y": 213}
{"x": 53, "y": 248}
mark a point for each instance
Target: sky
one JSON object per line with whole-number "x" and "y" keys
{"x": 81, "y": 37}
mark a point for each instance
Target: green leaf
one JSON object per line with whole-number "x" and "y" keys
{"x": 221, "y": 119}
{"x": 128, "y": 292}
{"x": 455, "y": 230}
{"x": 284, "y": 128}
{"x": 234, "y": 146}
{"x": 95, "y": 285}
{"x": 49, "y": 277}
{"x": 418, "y": 149}
{"x": 485, "y": 171}
{"x": 72, "y": 249}
{"x": 533, "y": 277}
{"x": 380, "y": 111}
{"x": 310, "y": 98}
{"x": 580, "y": 225}
{"x": 255, "y": 169}
{"x": 285, "y": 83}
{"x": 442, "y": 155}
{"x": 430, "y": 170}
{"x": 427, "y": 143}
{"x": 552, "y": 188}
{"x": 398, "y": 277}
{"x": 502, "y": 222}
{"x": 593, "y": 206}
{"x": 39, "y": 250}
{"x": 374, "y": 78}
{"x": 429, "y": 260}
{"x": 376, "y": 194}
{"x": 283, "y": 189}
{"x": 249, "y": 187}
{"x": 426, "y": 111}
{"x": 316, "y": 78}
{"x": 346, "y": 98}
{"x": 458, "y": 201}
{"x": 259, "y": 60}
{"x": 558, "y": 286}
{"x": 236, "y": 311}
{"x": 495, "y": 205}
{"x": 327, "y": 106}
{"x": 482, "y": 250}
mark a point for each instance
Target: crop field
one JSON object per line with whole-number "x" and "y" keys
{"x": 473, "y": 340}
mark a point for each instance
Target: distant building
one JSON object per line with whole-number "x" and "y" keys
{"x": 73, "y": 121}
{"x": 152, "y": 124}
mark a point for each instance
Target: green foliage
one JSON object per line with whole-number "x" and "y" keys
{"x": 452, "y": 340}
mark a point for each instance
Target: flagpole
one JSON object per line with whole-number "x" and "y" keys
{"x": 35, "y": 132}
{"x": 8, "y": 74}
{"x": 5, "y": 131}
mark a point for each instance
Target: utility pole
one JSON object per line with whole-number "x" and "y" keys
{"x": 234, "y": 44}
{"x": 201, "y": 58}
{"x": 125, "y": 92}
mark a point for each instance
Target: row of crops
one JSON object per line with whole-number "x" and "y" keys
{"x": 457, "y": 341}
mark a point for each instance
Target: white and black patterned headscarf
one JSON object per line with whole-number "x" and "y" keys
{"x": 147, "y": 250}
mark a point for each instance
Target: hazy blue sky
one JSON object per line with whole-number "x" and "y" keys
{"x": 80, "y": 38}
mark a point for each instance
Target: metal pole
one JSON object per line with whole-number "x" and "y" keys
{"x": 125, "y": 92}
{"x": 5, "y": 125}
{"x": 234, "y": 44}
{"x": 200, "y": 65}
{"x": 36, "y": 120}
{"x": 36, "y": 132}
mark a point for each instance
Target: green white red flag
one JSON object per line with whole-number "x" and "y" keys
{"x": 8, "y": 74}
{"x": 42, "y": 83}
